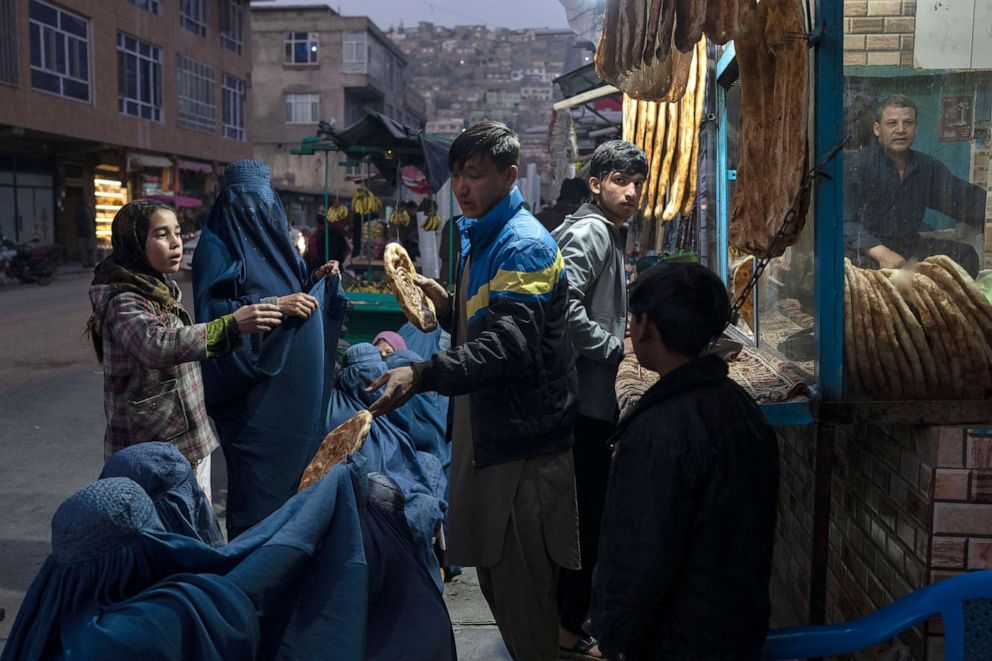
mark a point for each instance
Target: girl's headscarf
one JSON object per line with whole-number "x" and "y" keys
{"x": 127, "y": 269}
{"x": 168, "y": 479}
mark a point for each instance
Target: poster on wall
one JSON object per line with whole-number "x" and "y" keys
{"x": 955, "y": 118}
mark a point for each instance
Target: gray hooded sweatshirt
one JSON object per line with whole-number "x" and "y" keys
{"x": 597, "y": 305}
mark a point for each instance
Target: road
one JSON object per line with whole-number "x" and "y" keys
{"x": 51, "y": 443}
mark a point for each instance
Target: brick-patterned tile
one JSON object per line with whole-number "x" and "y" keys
{"x": 909, "y": 464}
{"x": 887, "y": 511}
{"x": 906, "y": 60}
{"x": 962, "y": 518}
{"x": 981, "y": 486}
{"x": 881, "y": 42}
{"x": 903, "y": 25}
{"x": 951, "y": 484}
{"x": 915, "y": 572}
{"x": 885, "y": 7}
{"x": 867, "y": 25}
{"x": 883, "y": 58}
{"x": 979, "y": 452}
{"x": 950, "y": 451}
{"x": 948, "y": 552}
{"x": 853, "y": 42}
{"x": 926, "y": 477}
{"x": 855, "y": 59}
{"x": 855, "y": 8}
{"x": 906, "y": 532}
{"x": 979, "y": 553}
{"x": 909, "y": 8}
{"x": 908, "y": 42}
{"x": 935, "y": 647}
{"x": 918, "y": 507}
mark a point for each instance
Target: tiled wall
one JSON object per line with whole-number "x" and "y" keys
{"x": 879, "y": 32}
{"x": 910, "y": 505}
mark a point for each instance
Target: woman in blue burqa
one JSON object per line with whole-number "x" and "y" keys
{"x": 268, "y": 401}
{"x": 119, "y": 585}
{"x": 389, "y": 448}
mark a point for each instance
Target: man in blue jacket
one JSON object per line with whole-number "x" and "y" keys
{"x": 511, "y": 374}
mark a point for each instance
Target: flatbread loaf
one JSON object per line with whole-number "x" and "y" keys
{"x": 400, "y": 275}
{"x": 344, "y": 439}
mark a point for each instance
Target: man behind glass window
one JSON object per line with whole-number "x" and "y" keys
{"x": 890, "y": 186}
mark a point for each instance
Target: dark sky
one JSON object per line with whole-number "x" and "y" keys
{"x": 494, "y": 13}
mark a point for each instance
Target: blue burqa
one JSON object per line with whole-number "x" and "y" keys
{"x": 389, "y": 448}
{"x": 118, "y": 586}
{"x": 407, "y": 616}
{"x": 427, "y": 414}
{"x": 269, "y": 400}
{"x": 168, "y": 479}
{"x": 424, "y": 344}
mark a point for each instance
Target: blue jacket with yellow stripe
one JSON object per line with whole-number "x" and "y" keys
{"x": 517, "y": 364}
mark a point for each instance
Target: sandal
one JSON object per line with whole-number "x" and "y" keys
{"x": 581, "y": 651}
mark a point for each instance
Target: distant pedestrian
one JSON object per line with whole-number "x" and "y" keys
{"x": 685, "y": 551}
{"x": 86, "y": 233}
{"x": 149, "y": 346}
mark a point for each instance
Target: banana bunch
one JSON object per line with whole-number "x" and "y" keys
{"x": 373, "y": 231}
{"x": 365, "y": 202}
{"x": 374, "y": 287}
{"x": 337, "y": 212}
{"x": 433, "y": 223}
{"x": 428, "y": 206}
{"x": 399, "y": 218}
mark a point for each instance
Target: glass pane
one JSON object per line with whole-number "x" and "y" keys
{"x": 36, "y": 45}
{"x": 43, "y": 13}
{"x": 73, "y": 25}
{"x": 45, "y": 81}
{"x": 300, "y": 53}
{"x": 917, "y": 227}
{"x": 76, "y": 90}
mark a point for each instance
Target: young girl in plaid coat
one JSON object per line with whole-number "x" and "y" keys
{"x": 147, "y": 343}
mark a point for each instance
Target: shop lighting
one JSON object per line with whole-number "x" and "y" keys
{"x": 108, "y": 182}
{"x": 109, "y": 207}
{"x": 117, "y": 196}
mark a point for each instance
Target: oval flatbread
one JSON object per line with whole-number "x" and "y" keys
{"x": 344, "y": 439}
{"x": 400, "y": 276}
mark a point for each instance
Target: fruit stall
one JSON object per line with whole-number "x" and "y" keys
{"x": 392, "y": 158}
{"x": 878, "y": 376}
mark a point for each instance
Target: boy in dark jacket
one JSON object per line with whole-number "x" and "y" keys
{"x": 686, "y": 543}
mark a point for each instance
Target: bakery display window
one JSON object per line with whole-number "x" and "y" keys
{"x": 917, "y": 225}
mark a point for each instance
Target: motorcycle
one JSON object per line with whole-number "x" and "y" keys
{"x": 29, "y": 262}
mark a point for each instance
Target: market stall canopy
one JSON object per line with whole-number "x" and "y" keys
{"x": 195, "y": 166}
{"x": 387, "y": 142}
{"x": 178, "y": 201}
{"x": 147, "y": 160}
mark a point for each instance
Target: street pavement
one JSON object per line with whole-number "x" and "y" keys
{"x": 51, "y": 443}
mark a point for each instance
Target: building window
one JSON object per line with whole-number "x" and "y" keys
{"x": 150, "y": 5}
{"x": 8, "y": 42}
{"x": 234, "y": 107}
{"x": 139, "y": 78}
{"x": 193, "y": 15}
{"x": 60, "y": 58}
{"x": 195, "y": 83}
{"x": 302, "y": 108}
{"x": 300, "y": 48}
{"x": 356, "y": 52}
{"x": 232, "y": 24}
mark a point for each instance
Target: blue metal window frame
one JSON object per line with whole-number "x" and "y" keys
{"x": 828, "y": 274}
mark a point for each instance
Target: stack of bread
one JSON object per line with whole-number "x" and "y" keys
{"x": 920, "y": 332}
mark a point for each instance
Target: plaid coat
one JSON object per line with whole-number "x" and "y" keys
{"x": 152, "y": 387}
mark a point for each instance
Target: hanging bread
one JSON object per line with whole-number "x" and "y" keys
{"x": 700, "y": 96}
{"x": 689, "y": 18}
{"x": 344, "y": 439}
{"x": 687, "y": 115}
{"x": 651, "y": 185}
{"x": 772, "y": 142}
{"x": 728, "y": 19}
{"x": 665, "y": 174}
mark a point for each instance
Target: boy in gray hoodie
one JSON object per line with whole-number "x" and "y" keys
{"x": 591, "y": 246}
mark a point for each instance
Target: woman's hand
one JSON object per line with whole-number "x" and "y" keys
{"x": 260, "y": 318}
{"x": 297, "y": 305}
{"x": 330, "y": 269}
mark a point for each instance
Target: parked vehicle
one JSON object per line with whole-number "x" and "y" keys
{"x": 29, "y": 262}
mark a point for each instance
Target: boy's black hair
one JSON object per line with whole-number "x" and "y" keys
{"x": 686, "y": 302}
{"x": 618, "y": 156}
{"x": 495, "y": 140}
{"x": 894, "y": 101}
{"x": 574, "y": 190}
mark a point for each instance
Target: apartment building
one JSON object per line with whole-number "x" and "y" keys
{"x": 311, "y": 64}
{"x": 109, "y": 100}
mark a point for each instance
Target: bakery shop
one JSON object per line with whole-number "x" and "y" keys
{"x": 830, "y": 162}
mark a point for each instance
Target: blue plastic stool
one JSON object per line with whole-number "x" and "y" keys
{"x": 963, "y": 602}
